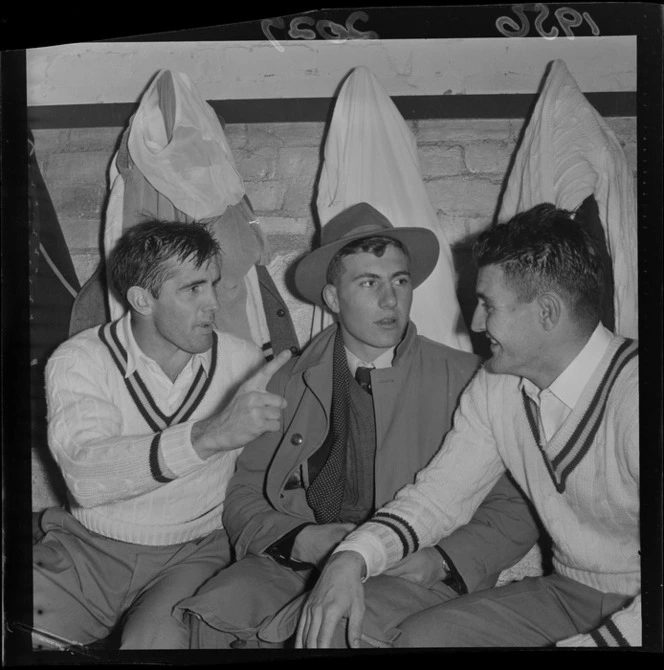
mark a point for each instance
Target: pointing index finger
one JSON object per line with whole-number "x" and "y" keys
{"x": 261, "y": 379}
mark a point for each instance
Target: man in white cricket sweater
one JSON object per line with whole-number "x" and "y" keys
{"x": 557, "y": 406}
{"x": 145, "y": 419}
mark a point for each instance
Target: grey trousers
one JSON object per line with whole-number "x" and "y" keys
{"x": 533, "y": 612}
{"x": 256, "y": 603}
{"x": 233, "y": 606}
{"x": 85, "y": 584}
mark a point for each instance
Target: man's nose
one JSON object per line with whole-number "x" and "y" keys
{"x": 388, "y": 296}
{"x": 212, "y": 303}
{"x": 478, "y": 323}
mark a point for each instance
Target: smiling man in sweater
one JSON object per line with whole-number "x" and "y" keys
{"x": 557, "y": 405}
{"x": 145, "y": 417}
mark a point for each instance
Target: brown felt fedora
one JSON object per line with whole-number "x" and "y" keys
{"x": 355, "y": 223}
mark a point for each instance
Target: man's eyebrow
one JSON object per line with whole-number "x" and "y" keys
{"x": 373, "y": 275}
{"x": 191, "y": 284}
{"x": 366, "y": 275}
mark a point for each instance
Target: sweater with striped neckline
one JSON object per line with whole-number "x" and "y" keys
{"x": 114, "y": 418}
{"x": 584, "y": 483}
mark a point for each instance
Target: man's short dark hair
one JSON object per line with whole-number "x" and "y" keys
{"x": 375, "y": 245}
{"x": 546, "y": 249}
{"x": 147, "y": 253}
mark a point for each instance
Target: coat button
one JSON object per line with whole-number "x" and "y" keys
{"x": 281, "y": 312}
{"x": 296, "y": 439}
{"x": 295, "y": 350}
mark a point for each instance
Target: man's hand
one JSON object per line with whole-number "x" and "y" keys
{"x": 425, "y": 567}
{"x": 338, "y": 593}
{"x": 314, "y": 543}
{"x": 252, "y": 412}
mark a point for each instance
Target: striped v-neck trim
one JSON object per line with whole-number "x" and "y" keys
{"x": 154, "y": 417}
{"x": 564, "y": 463}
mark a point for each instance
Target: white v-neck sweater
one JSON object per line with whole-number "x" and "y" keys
{"x": 584, "y": 482}
{"x": 114, "y": 416}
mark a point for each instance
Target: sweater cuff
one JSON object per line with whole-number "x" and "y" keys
{"x": 453, "y": 579}
{"x": 370, "y": 547}
{"x": 176, "y": 449}
{"x": 623, "y": 629}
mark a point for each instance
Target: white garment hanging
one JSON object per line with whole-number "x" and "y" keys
{"x": 371, "y": 156}
{"x": 186, "y": 158}
{"x": 568, "y": 153}
{"x": 113, "y": 231}
{"x": 255, "y": 309}
{"x": 193, "y": 166}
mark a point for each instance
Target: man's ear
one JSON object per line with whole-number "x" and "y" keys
{"x": 140, "y": 300}
{"x": 331, "y": 298}
{"x": 550, "y": 310}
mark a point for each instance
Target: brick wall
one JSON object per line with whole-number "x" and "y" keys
{"x": 463, "y": 164}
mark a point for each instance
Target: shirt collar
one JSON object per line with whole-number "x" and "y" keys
{"x": 135, "y": 353}
{"x": 569, "y": 384}
{"x": 383, "y": 361}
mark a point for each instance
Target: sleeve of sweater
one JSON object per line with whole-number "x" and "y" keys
{"x": 445, "y": 494}
{"x": 622, "y": 629}
{"x": 100, "y": 463}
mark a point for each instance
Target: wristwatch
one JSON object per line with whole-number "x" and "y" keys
{"x": 446, "y": 565}
{"x": 281, "y": 550}
{"x": 452, "y": 577}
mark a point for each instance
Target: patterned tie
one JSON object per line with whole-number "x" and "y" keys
{"x": 363, "y": 378}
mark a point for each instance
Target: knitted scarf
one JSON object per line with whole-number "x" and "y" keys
{"x": 325, "y": 493}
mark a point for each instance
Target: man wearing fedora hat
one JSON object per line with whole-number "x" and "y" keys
{"x": 369, "y": 402}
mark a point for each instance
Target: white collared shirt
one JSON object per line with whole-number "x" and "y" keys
{"x": 383, "y": 361}
{"x": 557, "y": 400}
{"x": 170, "y": 392}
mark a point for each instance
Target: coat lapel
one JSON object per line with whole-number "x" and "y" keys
{"x": 309, "y": 393}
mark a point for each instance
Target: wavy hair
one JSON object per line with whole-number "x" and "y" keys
{"x": 547, "y": 249}
{"x": 147, "y": 254}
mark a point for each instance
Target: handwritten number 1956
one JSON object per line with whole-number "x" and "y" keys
{"x": 567, "y": 18}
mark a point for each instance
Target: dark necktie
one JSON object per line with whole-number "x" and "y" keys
{"x": 363, "y": 378}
